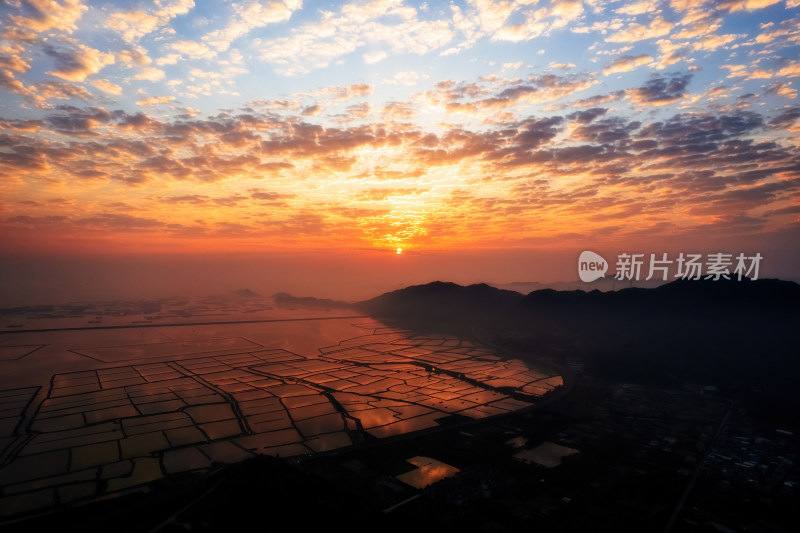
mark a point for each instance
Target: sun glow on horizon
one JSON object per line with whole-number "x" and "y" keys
{"x": 200, "y": 131}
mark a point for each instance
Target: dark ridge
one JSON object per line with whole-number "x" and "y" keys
{"x": 737, "y": 334}
{"x": 284, "y": 299}
{"x": 246, "y": 293}
{"x": 680, "y": 293}
{"x": 441, "y": 306}
{"x": 440, "y": 297}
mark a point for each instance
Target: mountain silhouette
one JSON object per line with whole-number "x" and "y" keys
{"x": 284, "y": 299}
{"x": 441, "y": 302}
{"x": 738, "y": 334}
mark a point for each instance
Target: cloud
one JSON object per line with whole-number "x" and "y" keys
{"x": 541, "y": 21}
{"x": 792, "y": 70}
{"x": 599, "y": 99}
{"x": 785, "y": 33}
{"x": 150, "y": 74}
{"x": 58, "y": 90}
{"x": 10, "y": 83}
{"x": 270, "y": 197}
{"x": 317, "y": 44}
{"x": 44, "y": 15}
{"x": 40, "y": 93}
{"x": 340, "y": 93}
{"x": 399, "y": 110}
{"x": 786, "y": 119}
{"x": 703, "y": 132}
{"x": 672, "y": 52}
{"x": 745, "y": 5}
{"x": 107, "y": 86}
{"x": 382, "y": 194}
{"x": 606, "y": 131}
{"x": 248, "y": 16}
{"x": 490, "y": 16}
{"x": 155, "y": 100}
{"x": 789, "y": 68}
{"x": 405, "y": 78}
{"x": 374, "y": 57}
{"x": 782, "y": 89}
{"x": 638, "y": 8}
{"x": 11, "y": 58}
{"x": 204, "y": 200}
{"x": 136, "y": 56}
{"x": 301, "y": 223}
{"x": 789, "y": 210}
{"x": 20, "y": 125}
{"x": 660, "y": 90}
{"x": 742, "y": 71}
{"x": 77, "y": 121}
{"x": 487, "y": 98}
{"x": 193, "y": 49}
{"x": 133, "y": 25}
{"x": 709, "y": 43}
{"x": 531, "y": 133}
{"x": 77, "y": 63}
{"x": 627, "y": 63}
{"x": 311, "y": 110}
{"x": 169, "y": 59}
{"x": 355, "y": 112}
{"x": 587, "y": 116}
{"x": 119, "y": 221}
{"x": 544, "y": 88}
{"x": 509, "y": 147}
{"x": 612, "y": 156}
{"x": 640, "y": 32}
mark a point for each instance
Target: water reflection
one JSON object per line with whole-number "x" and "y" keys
{"x": 126, "y": 407}
{"x": 428, "y": 471}
{"x": 547, "y": 454}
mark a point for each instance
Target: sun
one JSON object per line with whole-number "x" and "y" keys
{"x": 399, "y": 251}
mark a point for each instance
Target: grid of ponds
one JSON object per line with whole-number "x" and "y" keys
{"x": 120, "y": 427}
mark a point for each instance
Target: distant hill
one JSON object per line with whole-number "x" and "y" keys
{"x": 441, "y": 302}
{"x": 681, "y": 295}
{"x": 726, "y": 332}
{"x": 724, "y": 298}
{"x": 284, "y": 299}
{"x": 245, "y": 293}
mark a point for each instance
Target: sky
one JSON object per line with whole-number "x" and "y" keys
{"x": 489, "y": 140}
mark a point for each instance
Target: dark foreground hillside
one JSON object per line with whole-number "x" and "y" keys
{"x": 741, "y": 335}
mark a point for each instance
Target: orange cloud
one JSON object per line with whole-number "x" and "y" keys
{"x": 639, "y": 32}
{"x": 155, "y": 100}
{"x": 77, "y": 63}
{"x": 626, "y": 64}
{"x": 49, "y": 14}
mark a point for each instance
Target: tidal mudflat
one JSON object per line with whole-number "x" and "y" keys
{"x": 89, "y": 414}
